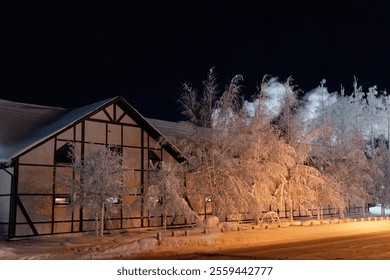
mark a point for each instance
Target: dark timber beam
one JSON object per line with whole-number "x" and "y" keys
{"x": 25, "y": 214}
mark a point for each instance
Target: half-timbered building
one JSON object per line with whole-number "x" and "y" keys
{"x": 34, "y": 149}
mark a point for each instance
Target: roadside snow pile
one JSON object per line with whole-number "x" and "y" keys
{"x": 228, "y": 226}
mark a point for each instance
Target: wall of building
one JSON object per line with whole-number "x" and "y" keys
{"x": 35, "y": 189}
{"x": 5, "y": 191}
{"x": 42, "y": 178}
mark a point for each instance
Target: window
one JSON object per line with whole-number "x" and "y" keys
{"x": 62, "y": 200}
{"x": 62, "y": 155}
{"x": 113, "y": 200}
{"x": 115, "y": 149}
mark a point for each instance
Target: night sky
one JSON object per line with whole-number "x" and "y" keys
{"x": 69, "y": 54}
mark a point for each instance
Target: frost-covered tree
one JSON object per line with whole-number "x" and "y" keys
{"x": 317, "y": 155}
{"x": 381, "y": 185}
{"x": 98, "y": 181}
{"x": 166, "y": 193}
{"x": 243, "y": 163}
{"x": 216, "y": 145}
{"x": 264, "y": 158}
{"x": 288, "y": 120}
{"x": 340, "y": 149}
{"x": 290, "y": 180}
{"x": 370, "y": 108}
{"x": 199, "y": 110}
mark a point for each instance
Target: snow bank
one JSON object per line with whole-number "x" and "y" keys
{"x": 144, "y": 244}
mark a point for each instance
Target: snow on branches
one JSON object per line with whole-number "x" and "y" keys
{"x": 98, "y": 181}
{"x": 245, "y": 163}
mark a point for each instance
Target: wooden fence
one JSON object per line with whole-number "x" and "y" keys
{"x": 297, "y": 213}
{"x": 247, "y": 217}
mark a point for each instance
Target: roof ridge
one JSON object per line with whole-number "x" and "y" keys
{"x": 16, "y": 103}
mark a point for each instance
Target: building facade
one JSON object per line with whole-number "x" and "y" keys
{"x": 34, "y": 164}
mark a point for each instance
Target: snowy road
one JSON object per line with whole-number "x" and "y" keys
{"x": 373, "y": 246}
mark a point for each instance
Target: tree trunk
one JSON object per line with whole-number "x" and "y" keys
{"x": 291, "y": 214}
{"x": 165, "y": 221}
{"x": 318, "y": 213}
{"x": 102, "y": 220}
{"x": 341, "y": 212}
{"x": 97, "y": 224}
{"x": 364, "y": 210}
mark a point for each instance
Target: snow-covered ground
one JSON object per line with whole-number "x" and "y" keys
{"x": 133, "y": 244}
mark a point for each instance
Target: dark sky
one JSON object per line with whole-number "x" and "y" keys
{"x": 69, "y": 54}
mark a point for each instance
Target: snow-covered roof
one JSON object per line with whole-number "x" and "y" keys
{"x": 18, "y": 119}
{"x": 173, "y": 130}
{"x": 25, "y": 125}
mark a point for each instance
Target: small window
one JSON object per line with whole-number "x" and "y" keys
{"x": 115, "y": 149}
{"x": 62, "y": 155}
{"x": 62, "y": 200}
{"x": 113, "y": 200}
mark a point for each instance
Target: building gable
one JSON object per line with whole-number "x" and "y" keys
{"x": 114, "y": 110}
{"x": 33, "y": 182}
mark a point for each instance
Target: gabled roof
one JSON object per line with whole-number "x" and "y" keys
{"x": 25, "y": 125}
